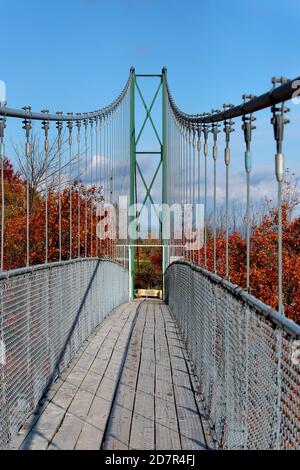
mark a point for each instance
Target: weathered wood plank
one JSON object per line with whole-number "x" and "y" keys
{"x": 155, "y": 405}
{"x": 142, "y": 434}
{"x": 68, "y": 394}
{"x": 44, "y": 430}
{"x": 190, "y": 426}
{"x": 93, "y": 429}
{"x": 119, "y": 426}
{"x": 167, "y": 430}
{"x": 68, "y": 433}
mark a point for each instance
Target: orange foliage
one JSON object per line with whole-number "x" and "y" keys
{"x": 15, "y": 223}
{"x": 264, "y": 268}
{"x": 264, "y": 261}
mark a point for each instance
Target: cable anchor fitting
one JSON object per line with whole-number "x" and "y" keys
{"x": 78, "y": 125}
{"x": 206, "y": 129}
{"x": 278, "y": 121}
{"x": 248, "y": 127}
{"x": 27, "y": 126}
{"x": 228, "y": 128}
{"x": 199, "y": 130}
{"x": 215, "y": 129}
{"x": 45, "y": 127}
{"x": 59, "y": 127}
{"x": 2, "y": 127}
{"x": 70, "y": 127}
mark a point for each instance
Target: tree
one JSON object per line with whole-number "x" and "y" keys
{"x": 35, "y": 169}
{"x": 264, "y": 249}
{"x": 85, "y": 198}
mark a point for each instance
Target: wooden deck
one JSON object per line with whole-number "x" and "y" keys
{"x": 129, "y": 387}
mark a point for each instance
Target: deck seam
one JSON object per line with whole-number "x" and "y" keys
{"x": 105, "y": 370}
{"x": 78, "y": 388}
{"x": 191, "y": 377}
{"x": 123, "y": 361}
{"x": 64, "y": 380}
{"x": 171, "y": 370}
{"x": 137, "y": 378}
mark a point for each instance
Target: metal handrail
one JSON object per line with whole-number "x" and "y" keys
{"x": 54, "y": 264}
{"x": 272, "y": 97}
{"x": 268, "y": 312}
{"x": 103, "y": 112}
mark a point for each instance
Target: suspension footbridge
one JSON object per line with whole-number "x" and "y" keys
{"x": 85, "y": 365}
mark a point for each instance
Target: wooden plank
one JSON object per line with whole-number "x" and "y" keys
{"x": 155, "y": 404}
{"x": 69, "y": 399}
{"x": 142, "y": 434}
{"x": 190, "y": 426}
{"x": 40, "y": 436}
{"x": 68, "y": 433}
{"x": 93, "y": 429}
{"x": 205, "y": 425}
{"x": 119, "y": 426}
{"x": 98, "y": 335}
{"x": 167, "y": 431}
{"x": 90, "y": 438}
{"x": 91, "y": 382}
{"x": 166, "y": 426}
{"x": 82, "y": 402}
{"x": 143, "y": 425}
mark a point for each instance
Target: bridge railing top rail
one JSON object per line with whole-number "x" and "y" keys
{"x": 272, "y": 97}
{"x": 60, "y": 117}
{"x": 273, "y": 315}
{"x": 51, "y": 265}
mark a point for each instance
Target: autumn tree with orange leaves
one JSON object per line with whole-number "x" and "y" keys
{"x": 264, "y": 260}
{"x": 264, "y": 268}
{"x": 15, "y": 222}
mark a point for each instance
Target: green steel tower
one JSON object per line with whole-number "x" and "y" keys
{"x": 135, "y": 167}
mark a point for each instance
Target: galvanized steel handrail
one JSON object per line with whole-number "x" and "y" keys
{"x": 46, "y": 314}
{"x": 268, "y": 312}
{"x": 101, "y": 113}
{"x": 245, "y": 356}
{"x": 270, "y": 98}
{"x": 39, "y": 267}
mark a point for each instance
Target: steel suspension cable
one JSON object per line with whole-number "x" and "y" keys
{"x": 247, "y": 128}
{"x": 228, "y": 128}
{"x": 78, "y": 124}
{"x": 279, "y": 121}
{"x": 86, "y": 123}
{"x": 205, "y": 153}
{"x": 45, "y": 126}
{"x": 27, "y": 126}
{"x": 100, "y": 171}
{"x": 70, "y": 127}
{"x": 199, "y": 130}
{"x": 215, "y": 131}
{"x": 59, "y": 126}
{"x": 91, "y": 184}
{"x": 96, "y": 176}
{"x": 194, "y": 189}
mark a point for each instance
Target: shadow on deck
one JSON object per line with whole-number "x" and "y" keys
{"x": 129, "y": 387}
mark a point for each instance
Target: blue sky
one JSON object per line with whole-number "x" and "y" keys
{"x": 79, "y": 51}
{"x": 74, "y": 55}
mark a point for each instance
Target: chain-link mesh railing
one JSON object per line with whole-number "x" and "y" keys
{"x": 46, "y": 314}
{"x": 246, "y": 357}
